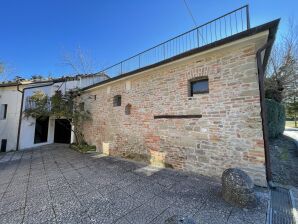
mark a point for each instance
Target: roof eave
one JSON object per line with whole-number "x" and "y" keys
{"x": 271, "y": 26}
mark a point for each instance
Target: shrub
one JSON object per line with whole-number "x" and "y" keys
{"x": 276, "y": 118}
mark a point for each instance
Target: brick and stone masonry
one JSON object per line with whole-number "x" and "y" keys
{"x": 229, "y": 133}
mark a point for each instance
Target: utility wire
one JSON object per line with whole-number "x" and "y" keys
{"x": 190, "y": 13}
{"x": 193, "y": 19}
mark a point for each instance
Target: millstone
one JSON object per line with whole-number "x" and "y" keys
{"x": 180, "y": 220}
{"x": 238, "y": 188}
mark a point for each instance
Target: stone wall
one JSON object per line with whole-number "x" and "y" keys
{"x": 229, "y": 134}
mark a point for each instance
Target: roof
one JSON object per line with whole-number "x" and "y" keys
{"x": 62, "y": 79}
{"x": 270, "y": 26}
{"x": 24, "y": 83}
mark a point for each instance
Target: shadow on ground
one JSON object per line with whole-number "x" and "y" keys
{"x": 58, "y": 185}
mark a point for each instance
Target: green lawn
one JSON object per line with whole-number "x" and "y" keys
{"x": 291, "y": 124}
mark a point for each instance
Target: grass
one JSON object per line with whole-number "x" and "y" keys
{"x": 291, "y": 124}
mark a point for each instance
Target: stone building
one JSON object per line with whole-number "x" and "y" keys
{"x": 198, "y": 111}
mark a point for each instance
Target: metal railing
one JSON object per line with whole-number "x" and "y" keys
{"x": 224, "y": 26}
{"x": 31, "y": 104}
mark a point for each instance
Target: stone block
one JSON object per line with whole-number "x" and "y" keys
{"x": 238, "y": 188}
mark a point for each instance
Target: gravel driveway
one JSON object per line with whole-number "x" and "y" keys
{"x": 54, "y": 184}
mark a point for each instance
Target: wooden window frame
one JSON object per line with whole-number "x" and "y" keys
{"x": 194, "y": 80}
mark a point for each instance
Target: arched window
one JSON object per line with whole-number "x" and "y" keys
{"x": 128, "y": 109}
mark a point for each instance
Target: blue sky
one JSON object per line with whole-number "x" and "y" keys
{"x": 35, "y": 34}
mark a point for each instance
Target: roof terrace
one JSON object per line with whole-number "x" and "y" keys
{"x": 217, "y": 29}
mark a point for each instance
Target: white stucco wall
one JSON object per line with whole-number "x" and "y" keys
{"x": 28, "y": 124}
{"x": 10, "y": 96}
{"x": 9, "y": 126}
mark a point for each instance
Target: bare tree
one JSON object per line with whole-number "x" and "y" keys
{"x": 282, "y": 75}
{"x": 79, "y": 61}
{"x": 1, "y": 67}
{"x": 2, "y": 72}
{"x": 6, "y": 72}
{"x": 281, "y": 78}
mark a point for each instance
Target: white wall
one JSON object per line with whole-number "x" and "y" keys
{"x": 9, "y": 126}
{"x": 28, "y": 124}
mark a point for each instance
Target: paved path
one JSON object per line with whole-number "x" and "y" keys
{"x": 57, "y": 185}
{"x": 292, "y": 133}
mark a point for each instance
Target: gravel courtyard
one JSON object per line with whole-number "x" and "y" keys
{"x": 54, "y": 184}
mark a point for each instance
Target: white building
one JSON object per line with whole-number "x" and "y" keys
{"x": 18, "y": 132}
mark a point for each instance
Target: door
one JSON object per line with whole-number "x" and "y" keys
{"x": 62, "y": 131}
{"x": 41, "y": 130}
{"x": 3, "y": 145}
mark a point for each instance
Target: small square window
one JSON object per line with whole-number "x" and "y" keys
{"x": 117, "y": 101}
{"x": 3, "y": 111}
{"x": 199, "y": 86}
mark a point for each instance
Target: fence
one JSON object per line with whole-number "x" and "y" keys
{"x": 214, "y": 30}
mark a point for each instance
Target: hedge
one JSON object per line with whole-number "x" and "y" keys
{"x": 276, "y": 118}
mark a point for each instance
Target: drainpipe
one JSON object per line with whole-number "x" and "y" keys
{"x": 20, "y": 116}
{"x": 21, "y": 110}
{"x": 261, "y": 74}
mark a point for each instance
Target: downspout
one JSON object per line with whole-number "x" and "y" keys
{"x": 261, "y": 74}
{"x": 21, "y": 110}
{"x": 20, "y": 116}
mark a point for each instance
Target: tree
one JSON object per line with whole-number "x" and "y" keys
{"x": 60, "y": 105}
{"x": 281, "y": 77}
{"x": 79, "y": 61}
{"x": 18, "y": 79}
{"x": 292, "y": 110}
{"x": 37, "y": 77}
{"x": 281, "y": 82}
{"x": 1, "y": 68}
{"x": 2, "y": 71}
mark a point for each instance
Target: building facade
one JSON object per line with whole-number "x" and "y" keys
{"x": 200, "y": 112}
{"x": 24, "y": 133}
{"x": 10, "y": 103}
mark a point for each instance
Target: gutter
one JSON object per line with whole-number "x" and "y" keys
{"x": 261, "y": 74}
{"x": 21, "y": 109}
{"x": 261, "y": 65}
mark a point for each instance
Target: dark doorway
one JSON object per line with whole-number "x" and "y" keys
{"x": 3, "y": 145}
{"x": 62, "y": 131}
{"x": 41, "y": 130}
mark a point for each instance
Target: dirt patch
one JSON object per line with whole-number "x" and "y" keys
{"x": 284, "y": 161}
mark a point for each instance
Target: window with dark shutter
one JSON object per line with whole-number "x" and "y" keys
{"x": 117, "y": 101}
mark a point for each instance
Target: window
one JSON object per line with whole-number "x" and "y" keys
{"x": 199, "y": 86}
{"x": 117, "y": 101}
{"x": 3, "y": 111}
{"x": 127, "y": 109}
{"x": 3, "y": 145}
